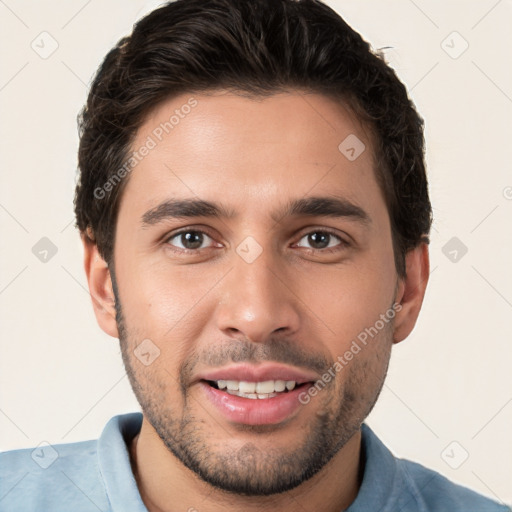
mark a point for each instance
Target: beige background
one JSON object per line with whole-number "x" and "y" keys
{"x": 62, "y": 378}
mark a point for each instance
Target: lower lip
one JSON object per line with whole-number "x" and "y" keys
{"x": 264, "y": 411}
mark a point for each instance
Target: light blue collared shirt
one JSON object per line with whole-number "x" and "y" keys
{"x": 92, "y": 476}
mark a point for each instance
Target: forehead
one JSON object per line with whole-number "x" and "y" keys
{"x": 252, "y": 155}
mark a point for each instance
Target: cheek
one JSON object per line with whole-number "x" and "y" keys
{"x": 152, "y": 290}
{"x": 349, "y": 298}
{"x": 170, "y": 306}
{"x": 364, "y": 360}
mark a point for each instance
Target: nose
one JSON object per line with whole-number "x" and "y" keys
{"x": 258, "y": 299}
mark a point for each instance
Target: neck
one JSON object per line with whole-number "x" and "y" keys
{"x": 165, "y": 484}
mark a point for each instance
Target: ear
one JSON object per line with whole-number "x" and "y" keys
{"x": 411, "y": 291}
{"x": 100, "y": 287}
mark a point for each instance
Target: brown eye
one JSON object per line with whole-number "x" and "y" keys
{"x": 188, "y": 240}
{"x": 319, "y": 240}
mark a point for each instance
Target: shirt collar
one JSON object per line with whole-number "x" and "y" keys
{"x": 379, "y": 477}
{"x": 114, "y": 462}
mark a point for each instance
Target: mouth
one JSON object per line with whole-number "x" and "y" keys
{"x": 264, "y": 394}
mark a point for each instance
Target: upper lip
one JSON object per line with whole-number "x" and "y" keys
{"x": 260, "y": 373}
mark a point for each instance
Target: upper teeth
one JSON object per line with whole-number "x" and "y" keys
{"x": 267, "y": 386}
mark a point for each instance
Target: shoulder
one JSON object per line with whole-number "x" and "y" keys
{"x": 390, "y": 484}
{"x": 52, "y": 477}
{"x": 78, "y": 477}
{"x": 434, "y": 492}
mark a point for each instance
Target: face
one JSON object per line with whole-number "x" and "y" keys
{"x": 250, "y": 255}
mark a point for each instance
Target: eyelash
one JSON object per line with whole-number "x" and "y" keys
{"x": 343, "y": 243}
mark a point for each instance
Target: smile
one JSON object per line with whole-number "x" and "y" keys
{"x": 254, "y": 390}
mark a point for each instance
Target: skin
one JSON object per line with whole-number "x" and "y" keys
{"x": 292, "y": 303}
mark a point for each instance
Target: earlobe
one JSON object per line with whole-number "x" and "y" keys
{"x": 100, "y": 287}
{"x": 411, "y": 291}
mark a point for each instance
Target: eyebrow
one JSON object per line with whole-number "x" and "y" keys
{"x": 308, "y": 206}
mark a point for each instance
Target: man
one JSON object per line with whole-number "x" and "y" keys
{"x": 254, "y": 211}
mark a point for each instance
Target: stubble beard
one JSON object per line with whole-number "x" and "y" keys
{"x": 248, "y": 469}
